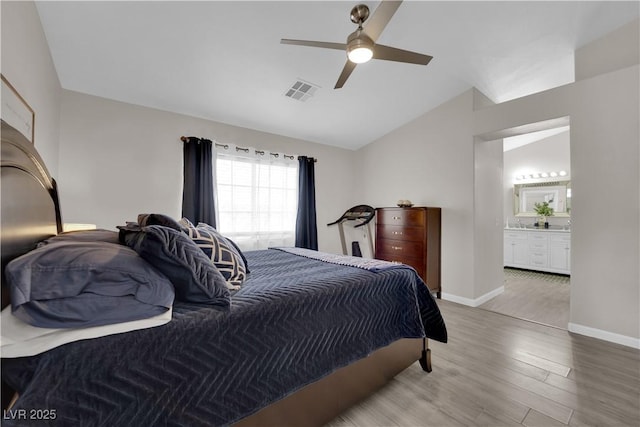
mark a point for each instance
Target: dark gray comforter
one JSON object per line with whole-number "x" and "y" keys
{"x": 294, "y": 321}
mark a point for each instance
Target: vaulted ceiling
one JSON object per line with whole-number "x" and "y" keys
{"x": 223, "y": 61}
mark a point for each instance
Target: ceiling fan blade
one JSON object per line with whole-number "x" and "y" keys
{"x": 380, "y": 18}
{"x": 389, "y": 53}
{"x": 346, "y": 72}
{"x": 311, "y": 43}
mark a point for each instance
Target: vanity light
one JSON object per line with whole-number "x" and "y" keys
{"x": 538, "y": 175}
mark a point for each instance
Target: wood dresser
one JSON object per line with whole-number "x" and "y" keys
{"x": 411, "y": 236}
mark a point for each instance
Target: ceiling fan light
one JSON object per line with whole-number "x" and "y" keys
{"x": 360, "y": 54}
{"x": 359, "y": 47}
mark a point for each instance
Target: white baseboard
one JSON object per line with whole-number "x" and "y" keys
{"x": 473, "y": 302}
{"x": 604, "y": 335}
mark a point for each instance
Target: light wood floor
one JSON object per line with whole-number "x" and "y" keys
{"x": 531, "y": 295}
{"x": 497, "y": 370}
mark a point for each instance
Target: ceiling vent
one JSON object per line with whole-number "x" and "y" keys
{"x": 301, "y": 90}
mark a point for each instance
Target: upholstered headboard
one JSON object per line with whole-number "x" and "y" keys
{"x": 29, "y": 198}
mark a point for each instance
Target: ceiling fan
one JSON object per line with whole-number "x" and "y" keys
{"x": 361, "y": 44}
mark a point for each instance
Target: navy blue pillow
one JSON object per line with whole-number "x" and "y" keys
{"x": 72, "y": 284}
{"x": 173, "y": 253}
{"x": 158, "y": 219}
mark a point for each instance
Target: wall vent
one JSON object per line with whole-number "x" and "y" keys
{"x": 301, "y": 90}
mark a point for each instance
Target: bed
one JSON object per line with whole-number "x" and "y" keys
{"x": 304, "y": 337}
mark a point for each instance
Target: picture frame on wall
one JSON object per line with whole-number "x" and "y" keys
{"x": 16, "y": 111}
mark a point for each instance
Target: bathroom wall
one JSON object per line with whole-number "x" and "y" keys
{"x": 546, "y": 155}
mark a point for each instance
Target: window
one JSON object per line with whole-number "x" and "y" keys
{"x": 257, "y": 199}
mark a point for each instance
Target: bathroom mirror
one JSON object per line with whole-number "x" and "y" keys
{"x": 556, "y": 193}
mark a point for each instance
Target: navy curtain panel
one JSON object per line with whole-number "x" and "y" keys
{"x": 306, "y": 226}
{"x": 197, "y": 194}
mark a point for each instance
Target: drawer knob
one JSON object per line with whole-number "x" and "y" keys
{"x": 397, "y": 232}
{"x": 396, "y": 248}
{"x": 396, "y": 217}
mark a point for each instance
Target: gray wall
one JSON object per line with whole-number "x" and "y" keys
{"x": 430, "y": 162}
{"x": 27, "y": 65}
{"x": 488, "y": 222}
{"x": 118, "y": 160}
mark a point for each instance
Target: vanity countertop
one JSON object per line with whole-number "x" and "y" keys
{"x": 554, "y": 228}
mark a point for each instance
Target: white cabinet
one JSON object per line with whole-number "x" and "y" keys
{"x": 516, "y": 249}
{"x": 538, "y": 250}
{"x": 559, "y": 252}
{"x": 541, "y": 250}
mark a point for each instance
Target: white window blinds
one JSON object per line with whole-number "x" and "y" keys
{"x": 257, "y": 195}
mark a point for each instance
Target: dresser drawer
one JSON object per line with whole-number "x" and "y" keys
{"x": 398, "y": 232}
{"x": 417, "y": 263}
{"x": 403, "y": 248}
{"x": 404, "y": 217}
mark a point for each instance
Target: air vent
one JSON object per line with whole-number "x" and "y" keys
{"x": 301, "y": 90}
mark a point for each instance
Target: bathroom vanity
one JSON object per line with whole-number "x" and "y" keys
{"x": 539, "y": 249}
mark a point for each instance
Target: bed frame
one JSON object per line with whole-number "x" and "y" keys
{"x": 31, "y": 213}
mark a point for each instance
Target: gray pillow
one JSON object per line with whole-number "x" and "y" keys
{"x": 72, "y": 284}
{"x": 173, "y": 253}
{"x": 98, "y": 235}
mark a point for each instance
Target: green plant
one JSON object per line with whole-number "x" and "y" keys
{"x": 543, "y": 209}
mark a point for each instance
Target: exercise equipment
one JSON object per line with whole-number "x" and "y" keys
{"x": 362, "y": 215}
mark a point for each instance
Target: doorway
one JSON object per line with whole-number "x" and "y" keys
{"x": 529, "y": 292}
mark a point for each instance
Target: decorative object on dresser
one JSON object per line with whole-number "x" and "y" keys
{"x": 411, "y": 235}
{"x": 404, "y": 203}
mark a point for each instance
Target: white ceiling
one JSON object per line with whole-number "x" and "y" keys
{"x": 513, "y": 142}
{"x": 223, "y": 61}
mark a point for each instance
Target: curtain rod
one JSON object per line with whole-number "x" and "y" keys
{"x": 246, "y": 150}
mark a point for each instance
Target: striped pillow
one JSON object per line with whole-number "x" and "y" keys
{"x": 220, "y": 251}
